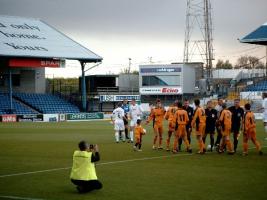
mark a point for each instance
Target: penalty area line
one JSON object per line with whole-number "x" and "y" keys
{"x": 18, "y": 198}
{"x": 103, "y": 163}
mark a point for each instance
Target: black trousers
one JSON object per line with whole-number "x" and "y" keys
{"x": 87, "y": 186}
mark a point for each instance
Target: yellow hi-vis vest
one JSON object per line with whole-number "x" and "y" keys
{"x": 83, "y": 168}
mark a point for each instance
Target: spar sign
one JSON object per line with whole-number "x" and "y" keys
{"x": 161, "y": 90}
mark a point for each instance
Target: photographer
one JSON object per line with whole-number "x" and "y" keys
{"x": 83, "y": 173}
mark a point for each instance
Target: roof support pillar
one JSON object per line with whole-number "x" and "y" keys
{"x": 10, "y": 92}
{"x": 83, "y": 88}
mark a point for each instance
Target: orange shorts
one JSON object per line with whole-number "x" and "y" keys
{"x": 138, "y": 139}
{"x": 181, "y": 131}
{"x": 171, "y": 126}
{"x": 250, "y": 134}
{"x": 158, "y": 128}
{"x": 226, "y": 131}
{"x": 201, "y": 129}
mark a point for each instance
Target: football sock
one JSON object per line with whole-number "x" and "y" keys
{"x": 180, "y": 143}
{"x": 229, "y": 145}
{"x": 155, "y": 139}
{"x": 123, "y": 135}
{"x": 189, "y": 138}
{"x": 245, "y": 147}
{"x": 257, "y": 144}
{"x": 117, "y": 136}
{"x": 126, "y": 133}
{"x": 211, "y": 141}
{"x": 131, "y": 135}
{"x": 235, "y": 143}
{"x": 160, "y": 140}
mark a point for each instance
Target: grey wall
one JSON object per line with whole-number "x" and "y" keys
{"x": 189, "y": 78}
{"x": 128, "y": 82}
{"x": 32, "y": 80}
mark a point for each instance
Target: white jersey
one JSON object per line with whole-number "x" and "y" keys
{"x": 135, "y": 112}
{"x": 264, "y": 106}
{"x": 118, "y": 114}
{"x": 219, "y": 109}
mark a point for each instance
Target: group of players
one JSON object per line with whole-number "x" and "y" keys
{"x": 182, "y": 119}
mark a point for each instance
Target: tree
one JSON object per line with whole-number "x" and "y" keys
{"x": 223, "y": 65}
{"x": 249, "y": 62}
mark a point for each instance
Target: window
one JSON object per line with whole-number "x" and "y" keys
{"x": 161, "y": 80}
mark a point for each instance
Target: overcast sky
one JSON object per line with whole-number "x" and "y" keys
{"x": 139, "y": 29}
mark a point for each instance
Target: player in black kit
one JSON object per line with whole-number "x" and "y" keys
{"x": 237, "y": 117}
{"x": 211, "y": 117}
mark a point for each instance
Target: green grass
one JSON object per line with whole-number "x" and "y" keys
{"x": 26, "y": 147}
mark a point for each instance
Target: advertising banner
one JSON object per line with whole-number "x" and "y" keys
{"x": 35, "y": 62}
{"x": 161, "y": 90}
{"x": 84, "y": 116}
{"x": 51, "y": 118}
{"x": 115, "y": 98}
{"x": 8, "y": 118}
{"x": 30, "y": 118}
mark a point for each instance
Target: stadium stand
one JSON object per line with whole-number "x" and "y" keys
{"x": 46, "y": 103}
{"x": 261, "y": 86}
{"x": 18, "y": 108}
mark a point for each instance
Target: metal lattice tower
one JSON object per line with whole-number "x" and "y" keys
{"x": 198, "y": 34}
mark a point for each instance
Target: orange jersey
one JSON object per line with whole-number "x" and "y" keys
{"x": 139, "y": 131}
{"x": 199, "y": 116}
{"x": 157, "y": 115}
{"x": 170, "y": 113}
{"x": 249, "y": 121}
{"x": 181, "y": 117}
{"x": 226, "y": 118}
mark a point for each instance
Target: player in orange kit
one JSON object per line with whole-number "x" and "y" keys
{"x": 199, "y": 122}
{"x": 181, "y": 119}
{"x": 139, "y": 131}
{"x": 225, "y": 121}
{"x": 171, "y": 123}
{"x": 249, "y": 131}
{"x": 157, "y": 115}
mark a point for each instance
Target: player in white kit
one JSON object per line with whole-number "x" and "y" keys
{"x": 117, "y": 120}
{"x": 135, "y": 113}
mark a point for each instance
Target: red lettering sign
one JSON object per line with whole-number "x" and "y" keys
{"x": 170, "y": 90}
{"x": 9, "y": 118}
{"x": 33, "y": 62}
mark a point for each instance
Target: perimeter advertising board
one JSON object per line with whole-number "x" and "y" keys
{"x": 84, "y": 116}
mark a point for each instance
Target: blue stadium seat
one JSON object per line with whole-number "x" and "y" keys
{"x": 18, "y": 108}
{"x": 261, "y": 86}
{"x": 47, "y": 103}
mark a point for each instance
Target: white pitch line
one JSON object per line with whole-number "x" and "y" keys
{"x": 34, "y": 172}
{"x": 19, "y": 198}
{"x": 104, "y": 163}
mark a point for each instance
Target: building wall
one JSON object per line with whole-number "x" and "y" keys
{"x": 31, "y": 80}
{"x": 189, "y": 78}
{"x": 186, "y": 75}
{"x": 128, "y": 82}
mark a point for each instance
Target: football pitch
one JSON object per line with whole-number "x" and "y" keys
{"x": 35, "y": 161}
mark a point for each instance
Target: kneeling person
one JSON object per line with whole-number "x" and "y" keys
{"x": 83, "y": 173}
